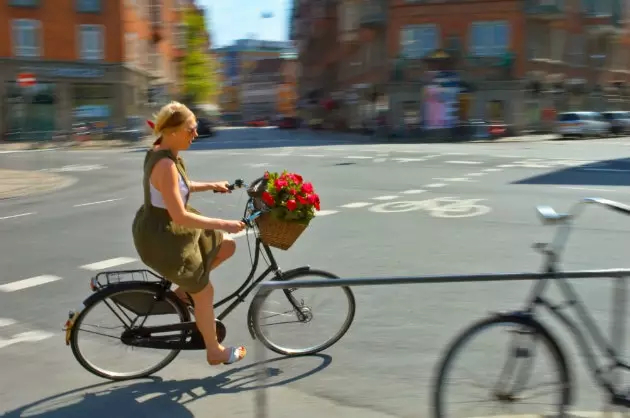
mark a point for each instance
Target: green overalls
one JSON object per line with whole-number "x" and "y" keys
{"x": 180, "y": 254}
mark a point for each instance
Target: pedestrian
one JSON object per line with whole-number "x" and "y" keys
{"x": 175, "y": 239}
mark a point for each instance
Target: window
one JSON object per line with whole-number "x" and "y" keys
{"x": 89, "y": 6}
{"x": 27, "y": 3}
{"x": 91, "y": 42}
{"x": 419, "y": 40}
{"x": 489, "y": 39}
{"x": 26, "y": 38}
{"x": 131, "y": 48}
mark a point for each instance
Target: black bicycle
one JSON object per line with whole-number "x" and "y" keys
{"x": 526, "y": 329}
{"x": 136, "y": 296}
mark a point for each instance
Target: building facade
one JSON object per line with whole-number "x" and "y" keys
{"x": 236, "y": 61}
{"x": 434, "y": 64}
{"x": 93, "y": 61}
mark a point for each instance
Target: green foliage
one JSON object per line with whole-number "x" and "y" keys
{"x": 199, "y": 67}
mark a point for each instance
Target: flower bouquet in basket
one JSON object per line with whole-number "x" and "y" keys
{"x": 292, "y": 204}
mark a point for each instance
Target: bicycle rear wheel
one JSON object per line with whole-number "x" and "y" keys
{"x": 278, "y": 309}
{"x": 511, "y": 383}
{"x": 130, "y": 305}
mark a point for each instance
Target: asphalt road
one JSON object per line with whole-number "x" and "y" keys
{"x": 387, "y": 210}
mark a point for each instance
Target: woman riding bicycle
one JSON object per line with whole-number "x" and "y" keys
{"x": 173, "y": 238}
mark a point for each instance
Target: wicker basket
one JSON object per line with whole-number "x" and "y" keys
{"x": 278, "y": 233}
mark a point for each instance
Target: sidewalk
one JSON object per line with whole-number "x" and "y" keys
{"x": 19, "y": 183}
{"x": 71, "y": 145}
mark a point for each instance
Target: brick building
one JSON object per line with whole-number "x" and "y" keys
{"x": 94, "y": 61}
{"x": 434, "y": 63}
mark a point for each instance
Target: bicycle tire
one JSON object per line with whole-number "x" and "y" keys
{"x": 255, "y": 324}
{"x": 118, "y": 289}
{"x": 503, "y": 319}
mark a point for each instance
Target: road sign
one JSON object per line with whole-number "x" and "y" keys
{"x": 26, "y": 79}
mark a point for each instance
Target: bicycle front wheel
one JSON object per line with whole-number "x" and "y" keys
{"x": 519, "y": 382}
{"x": 97, "y": 335}
{"x": 290, "y": 322}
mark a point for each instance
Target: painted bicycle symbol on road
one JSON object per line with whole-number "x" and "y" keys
{"x": 439, "y": 207}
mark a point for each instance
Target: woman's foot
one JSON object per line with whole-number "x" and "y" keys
{"x": 228, "y": 355}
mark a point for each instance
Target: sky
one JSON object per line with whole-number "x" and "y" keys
{"x": 236, "y": 19}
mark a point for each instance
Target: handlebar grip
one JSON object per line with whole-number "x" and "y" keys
{"x": 237, "y": 183}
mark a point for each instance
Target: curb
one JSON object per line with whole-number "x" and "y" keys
{"x": 22, "y": 183}
{"x": 8, "y": 147}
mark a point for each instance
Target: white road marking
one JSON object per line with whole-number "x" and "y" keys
{"x": 441, "y": 207}
{"x": 356, "y": 205}
{"x": 458, "y": 179}
{"x": 28, "y": 336}
{"x": 19, "y": 215}
{"x": 5, "y": 322}
{"x": 455, "y": 153}
{"x": 463, "y": 162}
{"x": 435, "y": 185}
{"x": 96, "y": 203}
{"x": 358, "y": 157}
{"x": 26, "y": 283}
{"x": 313, "y": 155}
{"x": 277, "y": 155}
{"x": 379, "y": 160}
{"x": 105, "y": 264}
{"x": 475, "y": 174}
{"x": 258, "y": 165}
{"x": 507, "y": 165}
{"x": 413, "y": 191}
{"x": 241, "y": 234}
{"x": 492, "y": 170}
{"x": 588, "y": 189}
{"x": 409, "y": 160}
{"x": 385, "y": 197}
{"x": 326, "y": 212}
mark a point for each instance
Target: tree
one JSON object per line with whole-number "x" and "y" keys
{"x": 200, "y": 67}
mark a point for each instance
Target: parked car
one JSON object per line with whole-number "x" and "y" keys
{"x": 287, "y": 123}
{"x": 619, "y": 121}
{"x": 205, "y": 127}
{"x": 582, "y": 124}
{"x": 258, "y": 122}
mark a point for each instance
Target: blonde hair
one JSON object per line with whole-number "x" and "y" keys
{"x": 171, "y": 116}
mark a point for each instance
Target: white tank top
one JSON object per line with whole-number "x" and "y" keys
{"x": 156, "y": 195}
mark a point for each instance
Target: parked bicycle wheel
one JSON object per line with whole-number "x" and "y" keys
{"x": 290, "y": 322}
{"x": 129, "y": 307}
{"x": 510, "y": 384}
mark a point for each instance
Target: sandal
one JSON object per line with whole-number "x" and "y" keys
{"x": 236, "y": 354}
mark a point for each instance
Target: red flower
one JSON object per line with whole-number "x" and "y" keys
{"x": 281, "y": 184}
{"x": 291, "y": 205}
{"x": 313, "y": 199}
{"x": 268, "y": 198}
{"x": 301, "y": 199}
{"x": 266, "y": 175}
{"x": 307, "y": 188}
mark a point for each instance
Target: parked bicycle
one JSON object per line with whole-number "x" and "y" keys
{"x": 527, "y": 329}
{"x": 144, "y": 294}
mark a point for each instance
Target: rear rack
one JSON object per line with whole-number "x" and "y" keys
{"x": 109, "y": 278}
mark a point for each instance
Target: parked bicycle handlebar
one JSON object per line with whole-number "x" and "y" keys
{"x": 238, "y": 184}
{"x": 550, "y": 217}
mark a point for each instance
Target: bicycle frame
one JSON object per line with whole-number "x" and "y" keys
{"x": 609, "y": 348}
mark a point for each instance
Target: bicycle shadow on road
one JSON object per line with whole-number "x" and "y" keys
{"x": 614, "y": 172}
{"x": 155, "y": 397}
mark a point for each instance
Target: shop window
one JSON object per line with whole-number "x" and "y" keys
{"x": 32, "y": 110}
{"x": 92, "y": 102}
{"x": 495, "y": 111}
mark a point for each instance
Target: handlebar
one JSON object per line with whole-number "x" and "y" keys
{"x": 550, "y": 217}
{"x": 238, "y": 184}
{"x": 247, "y": 220}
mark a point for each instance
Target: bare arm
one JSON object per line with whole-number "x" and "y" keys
{"x": 196, "y": 186}
{"x": 165, "y": 178}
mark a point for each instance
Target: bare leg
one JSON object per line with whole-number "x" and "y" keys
{"x": 204, "y": 310}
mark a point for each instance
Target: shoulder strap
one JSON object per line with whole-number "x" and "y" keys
{"x": 181, "y": 167}
{"x": 150, "y": 160}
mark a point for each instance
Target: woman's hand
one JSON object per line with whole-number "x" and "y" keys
{"x": 233, "y": 226}
{"x": 221, "y": 187}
